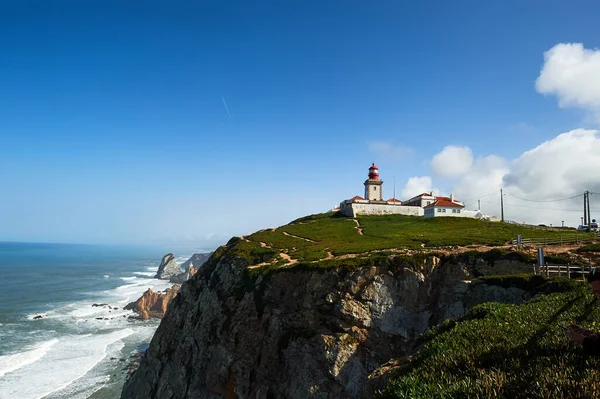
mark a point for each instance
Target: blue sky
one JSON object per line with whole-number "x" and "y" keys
{"x": 113, "y": 127}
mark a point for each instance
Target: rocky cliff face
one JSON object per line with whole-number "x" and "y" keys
{"x": 168, "y": 267}
{"x": 196, "y": 260}
{"x": 301, "y": 332}
{"x": 190, "y": 267}
{"x": 153, "y": 304}
{"x": 183, "y": 277}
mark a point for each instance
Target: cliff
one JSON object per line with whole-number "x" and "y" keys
{"x": 190, "y": 268}
{"x": 196, "y": 261}
{"x": 299, "y": 333}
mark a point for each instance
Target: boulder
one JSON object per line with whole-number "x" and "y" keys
{"x": 168, "y": 267}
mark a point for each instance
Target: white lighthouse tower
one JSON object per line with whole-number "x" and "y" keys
{"x": 373, "y": 186}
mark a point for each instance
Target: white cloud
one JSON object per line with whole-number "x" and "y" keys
{"x": 389, "y": 151}
{"x": 564, "y": 166}
{"x": 415, "y": 186}
{"x": 572, "y": 73}
{"x": 452, "y": 161}
{"x": 485, "y": 177}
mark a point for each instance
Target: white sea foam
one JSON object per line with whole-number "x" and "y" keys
{"x": 67, "y": 360}
{"x": 94, "y": 379}
{"x": 13, "y": 362}
{"x": 148, "y": 274}
{"x": 73, "y": 366}
{"x": 106, "y": 276}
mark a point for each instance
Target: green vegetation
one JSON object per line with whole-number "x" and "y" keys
{"x": 508, "y": 351}
{"x": 589, "y": 248}
{"x": 312, "y": 237}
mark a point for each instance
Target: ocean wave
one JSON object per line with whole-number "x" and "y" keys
{"x": 148, "y": 274}
{"x": 15, "y": 361}
{"x": 64, "y": 362}
{"x": 128, "y": 278}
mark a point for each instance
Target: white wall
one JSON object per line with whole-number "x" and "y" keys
{"x": 435, "y": 212}
{"x": 354, "y": 209}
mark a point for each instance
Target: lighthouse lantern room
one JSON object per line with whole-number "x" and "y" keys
{"x": 373, "y": 186}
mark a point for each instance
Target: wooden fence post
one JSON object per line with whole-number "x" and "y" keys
{"x": 568, "y": 270}
{"x": 561, "y": 240}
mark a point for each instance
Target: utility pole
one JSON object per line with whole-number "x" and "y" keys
{"x": 479, "y": 205}
{"x": 394, "y": 200}
{"x": 589, "y": 212}
{"x": 502, "y": 204}
{"x": 585, "y": 222}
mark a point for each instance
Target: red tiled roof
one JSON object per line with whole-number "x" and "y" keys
{"x": 444, "y": 201}
{"x": 357, "y": 197}
{"x": 393, "y": 200}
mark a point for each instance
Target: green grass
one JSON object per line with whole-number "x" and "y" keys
{"x": 508, "y": 351}
{"x": 338, "y": 235}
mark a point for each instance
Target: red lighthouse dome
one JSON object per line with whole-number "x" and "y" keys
{"x": 373, "y": 172}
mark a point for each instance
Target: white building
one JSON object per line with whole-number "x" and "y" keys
{"x": 445, "y": 206}
{"x": 421, "y": 200}
{"x": 373, "y": 203}
{"x": 425, "y": 204}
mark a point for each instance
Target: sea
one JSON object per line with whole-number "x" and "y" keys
{"x": 75, "y": 350}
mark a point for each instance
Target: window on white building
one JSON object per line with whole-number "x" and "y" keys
{"x": 458, "y": 211}
{"x": 443, "y": 210}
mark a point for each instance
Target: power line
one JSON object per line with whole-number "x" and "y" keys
{"x": 480, "y": 196}
{"x": 535, "y": 207}
{"x": 553, "y": 200}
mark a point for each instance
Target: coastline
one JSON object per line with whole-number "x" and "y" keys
{"x": 79, "y": 348}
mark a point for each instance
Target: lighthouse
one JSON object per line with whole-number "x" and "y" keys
{"x": 373, "y": 185}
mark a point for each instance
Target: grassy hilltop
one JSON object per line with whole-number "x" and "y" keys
{"x": 328, "y": 236}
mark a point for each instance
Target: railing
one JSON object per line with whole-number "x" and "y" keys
{"x": 561, "y": 240}
{"x": 579, "y": 271}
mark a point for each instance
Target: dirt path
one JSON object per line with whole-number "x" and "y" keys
{"x": 288, "y": 258}
{"x": 264, "y": 245}
{"x": 357, "y": 227}
{"x": 300, "y": 238}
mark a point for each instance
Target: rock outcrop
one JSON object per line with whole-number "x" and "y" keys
{"x": 183, "y": 277}
{"x": 168, "y": 268}
{"x": 299, "y": 332}
{"x": 153, "y": 304}
{"x": 196, "y": 261}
